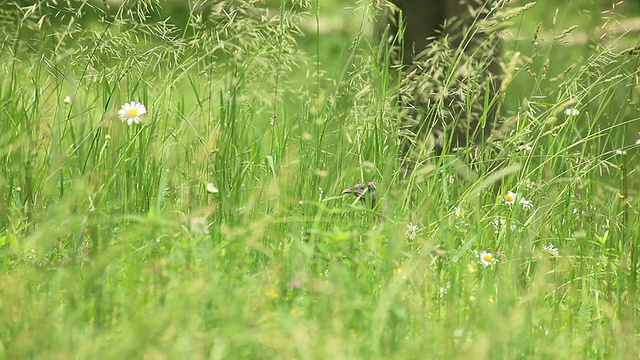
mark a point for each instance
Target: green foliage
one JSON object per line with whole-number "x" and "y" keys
{"x": 216, "y": 227}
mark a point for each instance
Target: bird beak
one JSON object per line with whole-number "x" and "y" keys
{"x": 347, "y": 191}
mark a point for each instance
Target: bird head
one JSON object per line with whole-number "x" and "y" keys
{"x": 363, "y": 192}
{"x": 361, "y": 189}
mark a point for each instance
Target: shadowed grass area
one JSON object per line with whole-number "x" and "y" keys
{"x": 216, "y": 228}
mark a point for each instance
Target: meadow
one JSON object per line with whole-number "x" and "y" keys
{"x": 171, "y": 187}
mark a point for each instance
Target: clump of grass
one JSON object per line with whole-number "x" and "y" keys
{"x": 216, "y": 226}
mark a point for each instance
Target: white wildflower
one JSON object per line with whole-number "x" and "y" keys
{"x": 444, "y": 290}
{"x": 551, "y": 249}
{"x": 571, "y": 112}
{"x": 527, "y": 204}
{"x": 199, "y": 225}
{"x": 411, "y": 231}
{"x": 501, "y": 224}
{"x": 486, "y": 258}
{"x": 545, "y": 331}
{"x": 131, "y": 112}
{"x": 458, "y": 212}
{"x": 67, "y": 100}
{"x": 528, "y": 183}
{"x": 510, "y": 198}
{"x": 525, "y": 147}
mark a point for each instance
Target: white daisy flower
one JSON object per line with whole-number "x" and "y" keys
{"x": 551, "y": 249}
{"x": 486, "y": 258}
{"x": 571, "y": 112}
{"x": 527, "y": 204}
{"x": 528, "y": 183}
{"x": 458, "y": 212}
{"x": 131, "y": 112}
{"x": 411, "y": 231}
{"x": 510, "y": 198}
{"x": 499, "y": 224}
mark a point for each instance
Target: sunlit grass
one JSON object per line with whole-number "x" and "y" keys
{"x": 215, "y": 227}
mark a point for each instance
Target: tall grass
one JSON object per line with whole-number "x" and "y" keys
{"x": 217, "y": 228}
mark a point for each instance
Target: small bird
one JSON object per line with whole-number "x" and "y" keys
{"x": 362, "y": 191}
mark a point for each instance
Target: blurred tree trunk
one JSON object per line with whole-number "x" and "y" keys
{"x": 448, "y": 112}
{"x": 424, "y": 21}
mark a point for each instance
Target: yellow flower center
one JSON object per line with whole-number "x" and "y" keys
{"x": 508, "y": 198}
{"x": 132, "y": 113}
{"x": 487, "y": 258}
